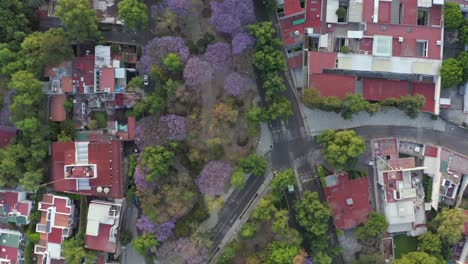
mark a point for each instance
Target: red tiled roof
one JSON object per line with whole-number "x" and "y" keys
{"x": 101, "y": 241}
{"x": 55, "y": 236}
{"x": 430, "y": 151}
{"x": 67, "y": 85}
{"x": 107, "y": 79}
{"x": 106, "y": 156}
{"x": 59, "y": 202}
{"x": 131, "y": 125}
{"x": 57, "y": 109}
{"x": 10, "y": 253}
{"x": 10, "y": 199}
{"x": 6, "y": 135}
{"x": 380, "y": 89}
{"x": 348, "y": 216}
{"x": 83, "y": 71}
{"x": 321, "y": 60}
{"x": 292, "y": 7}
{"x": 333, "y": 85}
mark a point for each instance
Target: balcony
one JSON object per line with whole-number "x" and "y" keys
{"x": 399, "y": 65}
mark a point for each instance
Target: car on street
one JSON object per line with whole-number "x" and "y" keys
{"x": 145, "y": 80}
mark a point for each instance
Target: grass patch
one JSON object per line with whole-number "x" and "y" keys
{"x": 404, "y": 244}
{"x": 101, "y": 119}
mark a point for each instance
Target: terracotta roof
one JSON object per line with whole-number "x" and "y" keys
{"x": 6, "y": 135}
{"x": 101, "y": 241}
{"x": 321, "y": 60}
{"x": 430, "y": 151}
{"x": 57, "y": 110}
{"x": 83, "y": 71}
{"x": 67, "y": 85}
{"x": 333, "y": 85}
{"x": 107, "y": 158}
{"x": 380, "y": 89}
{"x": 131, "y": 123}
{"x": 107, "y": 79}
{"x": 428, "y": 91}
{"x": 10, "y": 201}
{"x": 9, "y": 253}
{"x": 338, "y": 196}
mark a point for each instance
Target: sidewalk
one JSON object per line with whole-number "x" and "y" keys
{"x": 318, "y": 120}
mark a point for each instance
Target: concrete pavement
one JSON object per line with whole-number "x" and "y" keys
{"x": 318, "y": 120}
{"x": 129, "y": 255}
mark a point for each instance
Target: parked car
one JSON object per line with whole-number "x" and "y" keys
{"x": 145, "y": 80}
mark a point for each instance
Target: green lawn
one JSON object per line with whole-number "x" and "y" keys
{"x": 404, "y": 244}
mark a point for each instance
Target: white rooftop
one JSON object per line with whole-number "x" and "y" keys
{"x": 97, "y": 214}
{"x": 400, "y": 216}
{"x": 54, "y": 250}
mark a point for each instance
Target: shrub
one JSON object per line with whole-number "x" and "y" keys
{"x": 238, "y": 178}
{"x": 345, "y": 49}
{"x": 222, "y": 112}
{"x": 451, "y": 73}
{"x": 248, "y": 230}
{"x": 341, "y": 13}
{"x": 101, "y": 119}
{"x": 172, "y": 62}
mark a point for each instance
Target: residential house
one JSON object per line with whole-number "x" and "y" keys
{"x": 56, "y": 225}
{"x": 11, "y": 246}
{"x": 103, "y": 226}
{"x": 348, "y": 199}
{"x": 449, "y": 171}
{"x": 401, "y": 183}
{"x": 14, "y": 207}
{"x": 88, "y": 168}
{"x": 379, "y": 49}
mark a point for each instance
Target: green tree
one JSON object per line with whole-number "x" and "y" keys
{"x": 135, "y": 83}
{"x": 375, "y": 227}
{"x": 430, "y": 243}
{"x": 238, "y": 178}
{"x": 134, "y": 13}
{"x": 312, "y": 215}
{"x": 322, "y": 258}
{"x": 254, "y": 164}
{"x": 280, "y": 224}
{"x": 26, "y": 102}
{"x": 281, "y": 253}
{"x": 74, "y": 252}
{"x": 264, "y": 32}
{"x": 280, "y": 182}
{"x": 229, "y": 253}
{"x": 173, "y": 62}
{"x": 448, "y": 224}
{"x": 463, "y": 32}
{"x": 264, "y": 210}
{"x": 33, "y": 3}
{"x": 373, "y": 258}
{"x": 411, "y": 104}
{"x": 144, "y": 243}
{"x": 416, "y": 258}
{"x": 101, "y": 119}
{"x": 463, "y": 60}
{"x": 224, "y": 113}
{"x": 80, "y": 20}
{"x": 256, "y": 115}
{"x": 280, "y": 109}
{"x": 12, "y": 20}
{"x": 43, "y": 49}
{"x": 273, "y": 84}
{"x": 248, "y": 230}
{"x": 158, "y": 160}
{"x": 451, "y": 73}
{"x": 341, "y": 149}
{"x": 269, "y": 59}
{"x": 271, "y": 6}
{"x": 453, "y": 16}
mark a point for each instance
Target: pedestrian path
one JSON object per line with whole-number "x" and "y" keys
{"x": 318, "y": 120}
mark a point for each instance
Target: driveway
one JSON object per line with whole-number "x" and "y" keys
{"x": 129, "y": 255}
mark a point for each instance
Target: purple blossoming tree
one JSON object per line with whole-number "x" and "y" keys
{"x": 155, "y": 51}
{"x": 242, "y": 41}
{"x": 214, "y": 177}
{"x": 237, "y": 85}
{"x": 145, "y": 225}
{"x": 148, "y": 133}
{"x": 196, "y": 72}
{"x": 219, "y": 55}
{"x": 191, "y": 253}
{"x": 178, "y": 6}
{"x": 230, "y": 16}
{"x": 176, "y": 128}
{"x": 162, "y": 231}
{"x": 140, "y": 180}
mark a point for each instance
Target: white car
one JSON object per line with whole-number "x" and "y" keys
{"x": 145, "y": 80}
